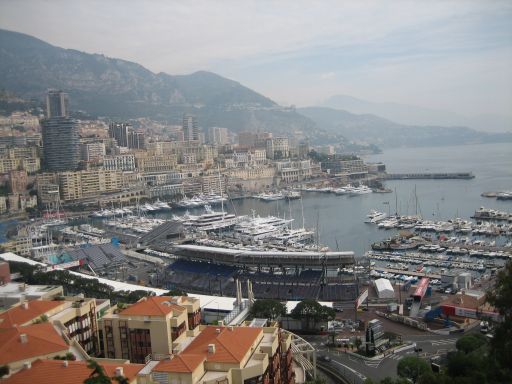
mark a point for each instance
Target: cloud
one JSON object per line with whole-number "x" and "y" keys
{"x": 282, "y": 48}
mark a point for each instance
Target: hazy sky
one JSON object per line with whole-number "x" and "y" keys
{"x": 453, "y": 55}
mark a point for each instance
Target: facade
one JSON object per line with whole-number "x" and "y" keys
{"x": 94, "y": 151}
{"x": 119, "y": 162}
{"x": 61, "y": 144}
{"x": 87, "y": 184}
{"x": 293, "y": 171}
{"x": 190, "y": 128}
{"x": 278, "y": 148}
{"x": 148, "y": 327}
{"x": 57, "y": 104}
{"x": 119, "y": 132}
{"x": 18, "y": 181}
{"x": 155, "y": 164}
{"x": 351, "y": 168}
{"x": 218, "y": 135}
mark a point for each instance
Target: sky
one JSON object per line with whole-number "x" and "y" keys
{"x": 451, "y": 55}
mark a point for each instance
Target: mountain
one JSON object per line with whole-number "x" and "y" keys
{"x": 413, "y": 115}
{"x": 119, "y": 89}
{"x": 373, "y": 129}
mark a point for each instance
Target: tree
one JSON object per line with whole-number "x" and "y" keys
{"x": 312, "y": 312}
{"x": 175, "y": 292}
{"x": 470, "y": 343}
{"x": 268, "y": 309}
{"x": 98, "y": 375}
{"x": 412, "y": 367}
{"x": 358, "y": 342}
{"x": 501, "y": 344}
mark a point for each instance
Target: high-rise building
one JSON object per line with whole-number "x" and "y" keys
{"x": 119, "y": 131}
{"x": 61, "y": 141}
{"x": 57, "y": 104}
{"x": 190, "y": 128}
{"x": 218, "y": 135}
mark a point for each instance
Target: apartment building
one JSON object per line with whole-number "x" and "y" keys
{"x": 93, "y": 151}
{"x": 340, "y": 166}
{"x": 147, "y": 327}
{"x": 154, "y": 164}
{"x": 87, "y": 184}
{"x": 124, "y": 162}
{"x": 236, "y": 355}
{"x": 292, "y": 171}
{"x": 278, "y": 148}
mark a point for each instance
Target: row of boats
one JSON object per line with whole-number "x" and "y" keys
{"x": 201, "y": 201}
{"x": 122, "y": 211}
{"x": 456, "y": 225}
{"x": 273, "y": 196}
{"x": 349, "y": 190}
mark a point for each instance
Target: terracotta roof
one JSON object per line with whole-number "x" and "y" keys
{"x": 54, "y": 371}
{"x": 231, "y": 344}
{"x": 20, "y": 315}
{"x": 152, "y": 306}
{"x": 42, "y": 339}
{"x": 180, "y": 363}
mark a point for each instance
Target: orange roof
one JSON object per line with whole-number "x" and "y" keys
{"x": 152, "y": 306}
{"x": 180, "y": 363}
{"x": 42, "y": 339}
{"x": 19, "y": 315}
{"x": 231, "y": 345}
{"x": 54, "y": 371}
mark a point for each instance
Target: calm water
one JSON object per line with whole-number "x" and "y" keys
{"x": 340, "y": 218}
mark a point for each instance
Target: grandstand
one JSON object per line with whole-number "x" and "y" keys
{"x": 217, "y": 279}
{"x": 99, "y": 257}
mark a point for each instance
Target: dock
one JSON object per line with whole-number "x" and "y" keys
{"x": 425, "y": 176}
{"x": 409, "y": 273}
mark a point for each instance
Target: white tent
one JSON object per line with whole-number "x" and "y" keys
{"x": 384, "y": 289}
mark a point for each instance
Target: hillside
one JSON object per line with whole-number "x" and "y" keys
{"x": 384, "y": 133}
{"x": 103, "y": 86}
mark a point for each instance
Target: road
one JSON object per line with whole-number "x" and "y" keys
{"x": 356, "y": 369}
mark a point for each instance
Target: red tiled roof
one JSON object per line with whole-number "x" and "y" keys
{"x": 20, "y": 315}
{"x": 231, "y": 344}
{"x": 152, "y": 306}
{"x": 180, "y": 363}
{"x": 54, "y": 371}
{"x": 42, "y": 339}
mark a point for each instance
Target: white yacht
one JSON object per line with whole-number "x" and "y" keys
{"x": 361, "y": 190}
{"x": 375, "y": 216}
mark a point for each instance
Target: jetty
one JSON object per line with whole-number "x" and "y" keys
{"x": 435, "y": 176}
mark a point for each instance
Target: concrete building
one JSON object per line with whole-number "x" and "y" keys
{"x": 16, "y": 293}
{"x": 190, "y": 128}
{"x": 61, "y": 144}
{"x": 278, "y": 148}
{"x": 18, "y": 181}
{"x": 57, "y": 104}
{"x": 148, "y": 327}
{"x": 124, "y": 162}
{"x": 341, "y": 166}
{"x": 236, "y": 355}
{"x": 87, "y": 184}
{"x": 218, "y": 135}
{"x": 92, "y": 152}
{"x": 119, "y": 132}
{"x": 155, "y": 164}
{"x": 293, "y": 171}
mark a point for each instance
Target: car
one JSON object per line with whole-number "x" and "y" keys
{"x": 448, "y": 290}
{"x": 325, "y": 358}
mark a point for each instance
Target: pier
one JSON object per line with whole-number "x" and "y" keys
{"x": 409, "y": 273}
{"x": 435, "y": 176}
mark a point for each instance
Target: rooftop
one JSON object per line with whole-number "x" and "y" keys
{"x": 183, "y": 363}
{"x": 231, "y": 343}
{"x": 19, "y": 343}
{"x": 153, "y": 306}
{"x": 26, "y": 312}
{"x": 56, "y": 371}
